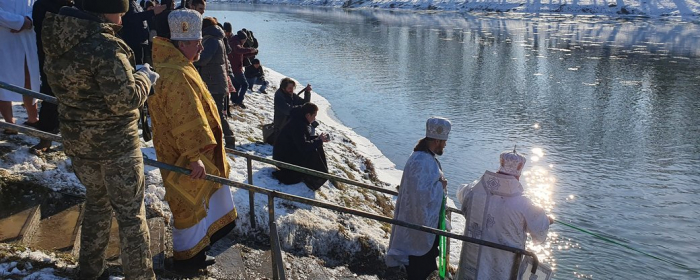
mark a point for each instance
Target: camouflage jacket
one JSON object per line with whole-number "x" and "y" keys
{"x": 89, "y": 69}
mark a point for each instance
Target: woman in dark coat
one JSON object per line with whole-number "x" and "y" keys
{"x": 214, "y": 68}
{"x": 285, "y": 100}
{"x": 297, "y": 144}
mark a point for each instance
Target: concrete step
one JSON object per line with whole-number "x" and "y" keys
{"x": 20, "y": 227}
{"x": 58, "y": 232}
{"x": 237, "y": 261}
{"x": 308, "y": 270}
{"x": 229, "y": 265}
{"x": 39, "y": 218}
{"x": 61, "y": 232}
{"x": 20, "y": 206}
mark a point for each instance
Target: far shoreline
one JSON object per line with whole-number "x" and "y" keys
{"x": 516, "y": 9}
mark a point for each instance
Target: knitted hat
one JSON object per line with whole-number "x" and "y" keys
{"x": 512, "y": 163}
{"x": 185, "y": 25}
{"x": 103, "y": 6}
{"x": 437, "y": 128}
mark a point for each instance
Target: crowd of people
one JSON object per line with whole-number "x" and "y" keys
{"x": 107, "y": 60}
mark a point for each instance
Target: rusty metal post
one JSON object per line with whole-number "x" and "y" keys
{"x": 251, "y": 194}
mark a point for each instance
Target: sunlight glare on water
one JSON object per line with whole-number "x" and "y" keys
{"x": 539, "y": 184}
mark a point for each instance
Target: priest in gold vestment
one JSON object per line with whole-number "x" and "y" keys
{"x": 187, "y": 133}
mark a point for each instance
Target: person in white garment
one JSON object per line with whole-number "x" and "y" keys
{"x": 19, "y": 57}
{"x": 420, "y": 198}
{"x": 497, "y": 211}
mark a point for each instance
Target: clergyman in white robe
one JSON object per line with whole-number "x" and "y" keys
{"x": 419, "y": 202}
{"x": 16, "y": 49}
{"x": 497, "y": 211}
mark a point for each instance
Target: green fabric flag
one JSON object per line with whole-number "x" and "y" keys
{"x": 442, "y": 259}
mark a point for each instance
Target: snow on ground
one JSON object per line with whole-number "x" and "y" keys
{"x": 304, "y": 230}
{"x": 16, "y": 263}
{"x": 685, "y": 9}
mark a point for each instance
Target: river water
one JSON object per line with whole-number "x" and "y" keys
{"x": 607, "y": 112}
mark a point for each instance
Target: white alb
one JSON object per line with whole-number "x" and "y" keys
{"x": 419, "y": 202}
{"x": 497, "y": 211}
{"x": 16, "y": 48}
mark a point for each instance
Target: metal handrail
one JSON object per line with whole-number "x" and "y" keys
{"x": 31, "y": 93}
{"x": 251, "y": 195}
{"x": 276, "y": 249}
{"x": 313, "y": 202}
{"x": 271, "y": 194}
{"x": 311, "y": 172}
{"x": 319, "y": 174}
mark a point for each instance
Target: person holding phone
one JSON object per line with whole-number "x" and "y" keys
{"x": 297, "y": 144}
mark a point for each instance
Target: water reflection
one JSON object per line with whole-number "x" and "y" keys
{"x": 607, "y": 112}
{"x": 539, "y": 185}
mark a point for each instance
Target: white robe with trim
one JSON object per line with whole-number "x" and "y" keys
{"x": 419, "y": 202}
{"x": 15, "y": 47}
{"x": 220, "y": 204}
{"x": 496, "y": 211}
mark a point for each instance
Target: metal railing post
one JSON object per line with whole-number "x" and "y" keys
{"x": 275, "y": 247}
{"x": 273, "y": 228}
{"x": 516, "y": 266}
{"x": 251, "y": 194}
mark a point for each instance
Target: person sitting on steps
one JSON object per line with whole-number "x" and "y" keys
{"x": 255, "y": 75}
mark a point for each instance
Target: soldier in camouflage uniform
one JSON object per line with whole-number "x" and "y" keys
{"x": 99, "y": 93}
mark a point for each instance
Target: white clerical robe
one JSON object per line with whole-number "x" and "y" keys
{"x": 419, "y": 202}
{"x": 496, "y": 211}
{"x": 221, "y": 212}
{"x": 15, "y": 48}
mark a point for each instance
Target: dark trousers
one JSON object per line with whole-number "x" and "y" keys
{"x": 147, "y": 55}
{"x": 48, "y": 113}
{"x": 220, "y": 100}
{"x": 420, "y": 267}
{"x": 140, "y": 53}
{"x": 241, "y": 85}
{"x": 257, "y": 81}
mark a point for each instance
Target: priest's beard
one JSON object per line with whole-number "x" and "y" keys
{"x": 438, "y": 151}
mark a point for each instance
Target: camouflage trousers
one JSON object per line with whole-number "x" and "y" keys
{"x": 114, "y": 185}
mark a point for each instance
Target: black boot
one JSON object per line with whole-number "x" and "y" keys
{"x": 43, "y": 146}
{"x": 199, "y": 261}
{"x": 230, "y": 142}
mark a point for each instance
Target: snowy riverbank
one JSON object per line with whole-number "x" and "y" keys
{"x": 337, "y": 239}
{"x": 684, "y": 9}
